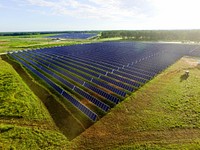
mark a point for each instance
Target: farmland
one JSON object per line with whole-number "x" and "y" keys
{"x": 109, "y": 85}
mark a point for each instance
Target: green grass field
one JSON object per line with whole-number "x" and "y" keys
{"x": 24, "y": 121}
{"x": 23, "y": 138}
{"x": 164, "y": 114}
{"x": 11, "y": 43}
{"x": 16, "y": 99}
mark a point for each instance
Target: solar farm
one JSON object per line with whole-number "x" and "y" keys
{"x": 99, "y": 75}
{"x": 96, "y": 77}
{"x": 74, "y": 35}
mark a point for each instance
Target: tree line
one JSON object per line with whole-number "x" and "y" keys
{"x": 43, "y": 32}
{"x": 155, "y": 35}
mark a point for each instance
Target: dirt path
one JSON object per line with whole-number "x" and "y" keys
{"x": 46, "y": 125}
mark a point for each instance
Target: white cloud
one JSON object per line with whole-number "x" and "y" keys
{"x": 116, "y": 14}
{"x": 110, "y": 9}
{"x": 42, "y": 3}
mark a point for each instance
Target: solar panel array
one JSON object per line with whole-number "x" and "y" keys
{"x": 195, "y": 51}
{"x": 74, "y": 35}
{"x": 101, "y": 73}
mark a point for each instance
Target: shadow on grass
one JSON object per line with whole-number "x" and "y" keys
{"x": 184, "y": 77}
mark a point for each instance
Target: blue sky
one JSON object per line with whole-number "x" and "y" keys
{"x": 58, "y": 15}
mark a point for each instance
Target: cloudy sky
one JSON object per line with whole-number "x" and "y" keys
{"x": 57, "y": 15}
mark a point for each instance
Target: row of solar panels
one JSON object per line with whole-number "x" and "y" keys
{"x": 99, "y": 63}
{"x": 114, "y": 54}
{"x": 71, "y": 69}
{"x": 91, "y": 73}
{"x": 111, "y": 74}
{"x": 93, "y": 116}
{"x": 59, "y": 68}
{"x": 24, "y": 57}
{"x": 94, "y": 70}
{"x": 91, "y": 52}
{"x": 101, "y": 49}
{"x": 136, "y": 75}
{"x": 115, "y": 66}
{"x": 75, "y": 79}
{"x": 124, "y": 77}
{"x": 127, "y": 47}
{"x": 177, "y": 47}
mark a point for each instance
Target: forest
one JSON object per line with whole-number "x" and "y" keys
{"x": 155, "y": 35}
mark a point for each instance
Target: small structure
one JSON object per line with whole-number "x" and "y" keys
{"x": 187, "y": 73}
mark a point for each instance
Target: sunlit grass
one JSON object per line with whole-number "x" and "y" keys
{"x": 23, "y": 138}
{"x": 165, "y": 113}
{"x": 17, "y": 100}
{"x": 24, "y": 121}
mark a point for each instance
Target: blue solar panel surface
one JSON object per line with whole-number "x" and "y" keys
{"x": 102, "y": 73}
{"x": 74, "y": 35}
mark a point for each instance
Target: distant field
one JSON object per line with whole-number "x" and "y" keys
{"x": 10, "y": 43}
{"x": 164, "y": 114}
{"x": 24, "y": 121}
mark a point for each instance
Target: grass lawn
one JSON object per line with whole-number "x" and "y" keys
{"x": 163, "y": 114}
{"x": 24, "y": 121}
{"x": 28, "y": 138}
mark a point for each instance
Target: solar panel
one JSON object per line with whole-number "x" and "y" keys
{"x": 84, "y": 94}
{"x": 119, "y": 92}
{"x": 76, "y": 103}
{"x": 100, "y": 71}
